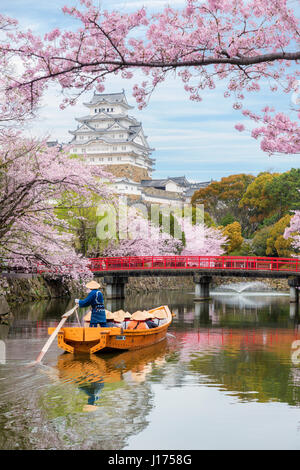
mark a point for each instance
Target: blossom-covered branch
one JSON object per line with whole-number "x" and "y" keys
{"x": 240, "y": 42}
{"x": 34, "y": 181}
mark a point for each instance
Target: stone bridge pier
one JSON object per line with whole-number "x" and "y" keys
{"x": 201, "y": 286}
{"x": 294, "y": 284}
{"x": 115, "y": 286}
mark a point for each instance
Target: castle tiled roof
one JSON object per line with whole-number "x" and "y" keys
{"x": 189, "y": 188}
{"x": 113, "y": 98}
{"x": 161, "y": 183}
{"x": 96, "y": 116}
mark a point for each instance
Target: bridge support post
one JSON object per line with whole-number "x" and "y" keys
{"x": 115, "y": 286}
{"x": 294, "y": 284}
{"x": 202, "y": 311}
{"x": 293, "y": 310}
{"x": 294, "y": 296}
{"x": 201, "y": 286}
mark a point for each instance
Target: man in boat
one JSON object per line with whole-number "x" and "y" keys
{"x": 96, "y": 301}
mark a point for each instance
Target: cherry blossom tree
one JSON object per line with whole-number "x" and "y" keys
{"x": 147, "y": 239}
{"x": 15, "y": 109}
{"x": 143, "y": 238}
{"x": 293, "y": 231}
{"x": 34, "y": 181}
{"x": 201, "y": 240}
{"x": 243, "y": 43}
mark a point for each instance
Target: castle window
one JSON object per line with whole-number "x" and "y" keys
{"x": 115, "y": 148}
{"x": 119, "y": 158}
{"x": 123, "y": 147}
{"x": 111, "y": 110}
{"x": 110, "y": 159}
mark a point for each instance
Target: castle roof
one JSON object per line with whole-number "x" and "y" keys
{"x": 154, "y": 183}
{"x": 111, "y": 98}
{"x": 190, "y": 191}
{"x": 107, "y": 116}
{"x": 127, "y": 181}
{"x": 179, "y": 180}
{"x": 161, "y": 183}
{"x": 103, "y": 134}
{"x": 109, "y": 140}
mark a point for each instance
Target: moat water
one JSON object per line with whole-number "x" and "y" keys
{"x": 226, "y": 377}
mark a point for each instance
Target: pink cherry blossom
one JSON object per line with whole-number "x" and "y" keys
{"x": 147, "y": 239}
{"x": 34, "y": 181}
{"x": 243, "y": 43}
{"x": 293, "y": 231}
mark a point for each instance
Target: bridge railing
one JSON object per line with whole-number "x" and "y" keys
{"x": 194, "y": 262}
{"x": 159, "y": 263}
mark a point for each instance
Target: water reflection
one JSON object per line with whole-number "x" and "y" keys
{"x": 92, "y": 373}
{"x": 234, "y": 350}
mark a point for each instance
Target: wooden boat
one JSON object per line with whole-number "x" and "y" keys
{"x": 91, "y": 340}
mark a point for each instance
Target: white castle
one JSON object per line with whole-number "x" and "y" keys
{"x": 109, "y": 137}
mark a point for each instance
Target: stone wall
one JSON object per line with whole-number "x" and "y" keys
{"x": 37, "y": 288}
{"x": 131, "y": 172}
{"x": 276, "y": 284}
{"x": 5, "y": 313}
{"x": 18, "y": 289}
{"x": 161, "y": 193}
{"x": 147, "y": 284}
{"x": 27, "y": 288}
{"x": 186, "y": 282}
{"x": 154, "y": 283}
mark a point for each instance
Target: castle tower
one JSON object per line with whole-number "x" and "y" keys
{"x": 109, "y": 137}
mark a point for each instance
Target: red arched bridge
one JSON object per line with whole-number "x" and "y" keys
{"x": 117, "y": 270}
{"x": 282, "y": 266}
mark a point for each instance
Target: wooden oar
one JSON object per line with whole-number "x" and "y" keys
{"x": 54, "y": 334}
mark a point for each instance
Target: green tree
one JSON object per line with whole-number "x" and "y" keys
{"x": 257, "y": 203}
{"x": 259, "y": 242}
{"x": 227, "y": 219}
{"x": 284, "y": 191}
{"x": 82, "y": 221}
{"x": 222, "y": 197}
{"x": 233, "y": 232}
{"x": 277, "y": 245}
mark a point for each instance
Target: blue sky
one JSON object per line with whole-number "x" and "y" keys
{"x": 193, "y": 139}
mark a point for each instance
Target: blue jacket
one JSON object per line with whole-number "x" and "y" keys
{"x": 95, "y": 300}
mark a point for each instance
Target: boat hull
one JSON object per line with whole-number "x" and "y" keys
{"x": 92, "y": 340}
